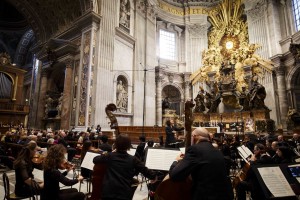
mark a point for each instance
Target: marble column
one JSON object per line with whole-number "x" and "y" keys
{"x": 42, "y": 96}
{"x": 158, "y": 80}
{"x": 67, "y": 99}
{"x": 283, "y": 104}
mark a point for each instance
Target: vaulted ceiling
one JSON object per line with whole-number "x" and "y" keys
{"x": 47, "y": 17}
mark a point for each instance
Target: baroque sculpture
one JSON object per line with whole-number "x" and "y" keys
{"x": 122, "y": 97}
{"x": 229, "y": 62}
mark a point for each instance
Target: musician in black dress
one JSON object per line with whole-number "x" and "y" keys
{"x": 121, "y": 168}
{"x": 171, "y": 133}
{"x": 25, "y": 184}
{"x": 52, "y": 176}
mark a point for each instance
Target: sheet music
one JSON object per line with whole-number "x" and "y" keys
{"x": 244, "y": 152}
{"x": 131, "y": 151}
{"x": 247, "y": 150}
{"x": 276, "y": 181}
{"x": 161, "y": 159}
{"x": 88, "y": 160}
{"x": 182, "y": 150}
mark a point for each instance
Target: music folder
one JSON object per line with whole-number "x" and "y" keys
{"x": 161, "y": 159}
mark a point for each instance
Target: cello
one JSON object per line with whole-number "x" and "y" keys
{"x": 178, "y": 190}
{"x": 97, "y": 180}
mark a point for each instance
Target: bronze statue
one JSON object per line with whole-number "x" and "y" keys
{"x": 257, "y": 95}
{"x": 200, "y": 105}
{"x": 244, "y": 99}
{"x": 165, "y": 104}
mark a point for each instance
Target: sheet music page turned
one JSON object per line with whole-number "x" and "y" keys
{"x": 161, "y": 159}
{"x": 88, "y": 160}
{"x": 276, "y": 181}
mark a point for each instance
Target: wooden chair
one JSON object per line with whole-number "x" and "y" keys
{"x": 8, "y": 195}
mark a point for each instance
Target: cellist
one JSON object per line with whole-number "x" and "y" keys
{"x": 206, "y": 166}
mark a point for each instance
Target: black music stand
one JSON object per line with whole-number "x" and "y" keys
{"x": 295, "y": 185}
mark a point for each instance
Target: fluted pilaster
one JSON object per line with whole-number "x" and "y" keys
{"x": 41, "y": 104}
{"x": 67, "y": 99}
{"x": 158, "y": 80}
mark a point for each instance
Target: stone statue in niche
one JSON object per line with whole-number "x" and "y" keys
{"x": 125, "y": 13}
{"x": 48, "y": 105}
{"x": 122, "y": 97}
{"x": 59, "y": 105}
{"x": 165, "y": 104}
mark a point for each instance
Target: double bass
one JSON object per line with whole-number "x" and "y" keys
{"x": 99, "y": 170}
{"x": 178, "y": 190}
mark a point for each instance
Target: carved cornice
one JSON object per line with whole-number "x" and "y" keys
{"x": 198, "y": 30}
{"x": 258, "y": 11}
{"x": 142, "y": 6}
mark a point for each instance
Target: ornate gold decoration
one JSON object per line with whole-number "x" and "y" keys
{"x": 228, "y": 41}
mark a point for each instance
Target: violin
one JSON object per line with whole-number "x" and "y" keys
{"x": 68, "y": 165}
{"x": 37, "y": 158}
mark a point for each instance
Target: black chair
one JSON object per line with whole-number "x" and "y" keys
{"x": 7, "y": 194}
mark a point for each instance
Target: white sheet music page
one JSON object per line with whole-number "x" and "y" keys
{"x": 276, "y": 181}
{"x": 247, "y": 150}
{"x": 242, "y": 153}
{"x": 161, "y": 159}
{"x": 131, "y": 151}
{"x": 88, "y": 160}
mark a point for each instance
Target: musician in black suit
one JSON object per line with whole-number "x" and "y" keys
{"x": 206, "y": 166}
{"x": 121, "y": 168}
{"x": 171, "y": 136}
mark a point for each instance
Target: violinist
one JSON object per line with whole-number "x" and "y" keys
{"x": 206, "y": 166}
{"x": 25, "y": 186}
{"x": 121, "y": 168}
{"x": 54, "y": 161}
{"x": 259, "y": 157}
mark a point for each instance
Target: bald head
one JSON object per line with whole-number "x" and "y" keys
{"x": 201, "y": 134}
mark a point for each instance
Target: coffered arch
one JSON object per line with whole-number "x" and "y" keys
{"x": 47, "y": 18}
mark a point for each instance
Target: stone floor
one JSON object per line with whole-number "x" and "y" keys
{"x": 141, "y": 192}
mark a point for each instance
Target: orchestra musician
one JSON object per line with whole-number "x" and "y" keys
{"x": 25, "y": 186}
{"x": 104, "y": 146}
{"x": 171, "y": 133}
{"x": 121, "y": 168}
{"x": 259, "y": 157}
{"x": 206, "y": 166}
{"x": 54, "y": 161}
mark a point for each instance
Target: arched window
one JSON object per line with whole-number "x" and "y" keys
{"x": 5, "y": 86}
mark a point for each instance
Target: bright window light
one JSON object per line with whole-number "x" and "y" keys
{"x": 167, "y": 45}
{"x": 296, "y": 9}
